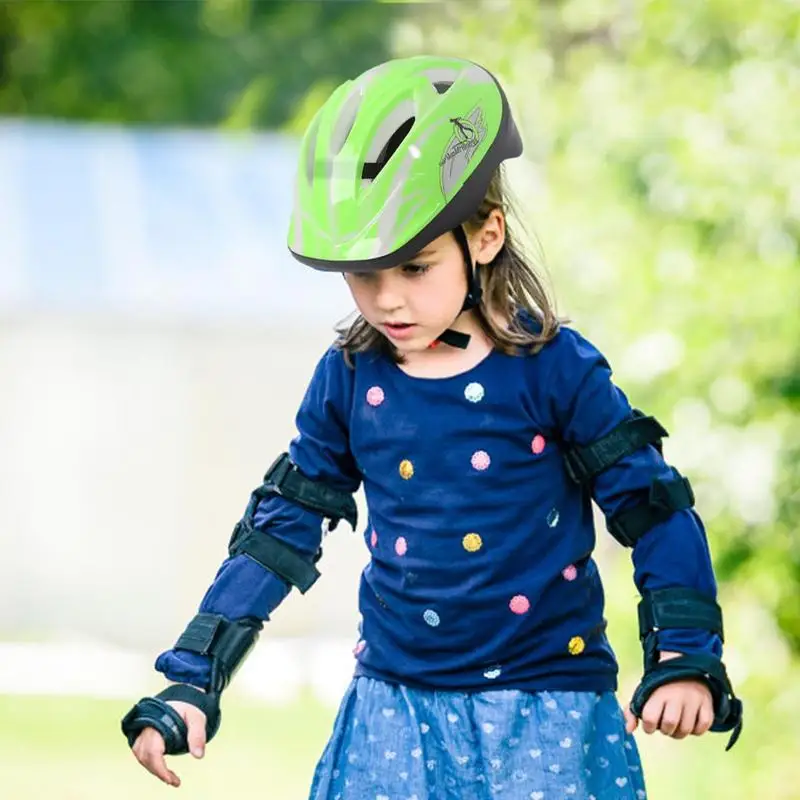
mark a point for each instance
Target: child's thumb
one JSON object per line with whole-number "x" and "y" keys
{"x": 196, "y": 725}
{"x": 631, "y": 720}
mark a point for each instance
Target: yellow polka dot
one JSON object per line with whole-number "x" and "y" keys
{"x": 406, "y": 469}
{"x": 576, "y": 645}
{"x": 472, "y": 542}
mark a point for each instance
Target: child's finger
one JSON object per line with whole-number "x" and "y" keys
{"x": 631, "y": 720}
{"x": 155, "y": 764}
{"x": 705, "y": 719}
{"x": 651, "y": 714}
{"x": 671, "y": 717}
{"x": 149, "y": 751}
{"x": 688, "y": 721}
{"x": 688, "y": 718}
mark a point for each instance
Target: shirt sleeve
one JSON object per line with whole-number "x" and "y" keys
{"x": 586, "y": 405}
{"x": 321, "y": 451}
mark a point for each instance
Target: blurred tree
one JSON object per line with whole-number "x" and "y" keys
{"x": 199, "y": 62}
{"x": 663, "y": 174}
{"x": 664, "y": 139}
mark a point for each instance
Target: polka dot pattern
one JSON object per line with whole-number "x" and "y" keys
{"x": 480, "y": 460}
{"x": 375, "y": 396}
{"x": 431, "y": 617}
{"x": 576, "y": 646}
{"x": 474, "y": 392}
{"x": 520, "y": 604}
{"x": 472, "y": 542}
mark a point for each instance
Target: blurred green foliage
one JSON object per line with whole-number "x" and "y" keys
{"x": 200, "y": 62}
{"x": 663, "y": 177}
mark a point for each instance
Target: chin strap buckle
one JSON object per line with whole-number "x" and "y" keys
{"x": 452, "y": 338}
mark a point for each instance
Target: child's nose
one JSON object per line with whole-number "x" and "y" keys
{"x": 388, "y": 296}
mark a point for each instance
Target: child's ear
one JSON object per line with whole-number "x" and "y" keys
{"x": 490, "y": 238}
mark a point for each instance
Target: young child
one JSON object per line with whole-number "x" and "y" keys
{"x": 480, "y": 429}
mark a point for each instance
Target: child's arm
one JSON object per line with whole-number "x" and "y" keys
{"x": 291, "y": 530}
{"x": 275, "y": 546}
{"x": 648, "y": 506}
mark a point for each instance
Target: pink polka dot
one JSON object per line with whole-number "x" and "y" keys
{"x": 374, "y": 538}
{"x": 570, "y": 573}
{"x": 481, "y": 460}
{"x": 375, "y": 396}
{"x": 520, "y": 604}
{"x": 538, "y": 443}
{"x": 401, "y": 546}
{"x": 359, "y": 648}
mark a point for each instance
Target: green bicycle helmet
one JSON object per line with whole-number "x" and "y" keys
{"x": 396, "y": 158}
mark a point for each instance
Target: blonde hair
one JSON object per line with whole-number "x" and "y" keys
{"x": 513, "y": 288}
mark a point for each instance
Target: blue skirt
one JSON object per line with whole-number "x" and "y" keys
{"x": 390, "y": 742}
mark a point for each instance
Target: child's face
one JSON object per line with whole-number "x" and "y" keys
{"x": 414, "y": 303}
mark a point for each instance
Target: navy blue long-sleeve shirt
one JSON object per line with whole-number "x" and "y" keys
{"x": 481, "y": 572}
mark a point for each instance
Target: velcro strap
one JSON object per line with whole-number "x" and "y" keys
{"x": 226, "y": 642}
{"x": 679, "y": 607}
{"x": 664, "y": 499}
{"x": 208, "y": 703}
{"x": 708, "y": 669}
{"x": 155, "y": 712}
{"x": 585, "y": 462}
{"x": 274, "y": 555}
{"x": 151, "y": 712}
{"x": 200, "y": 633}
{"x": 284, "y": 479}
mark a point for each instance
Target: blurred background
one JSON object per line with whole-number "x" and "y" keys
{"x": 156, "y": 338}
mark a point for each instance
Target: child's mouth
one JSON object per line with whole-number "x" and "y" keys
{"x": 398, "y": 330}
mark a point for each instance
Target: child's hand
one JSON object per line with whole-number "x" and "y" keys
{"x": 149, "y": 745}
{"x": 676, "y": 709}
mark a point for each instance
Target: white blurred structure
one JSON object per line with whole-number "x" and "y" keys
{"x": 155, "y": 340}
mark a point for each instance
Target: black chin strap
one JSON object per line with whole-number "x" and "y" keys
{"x": 473, "y": 298}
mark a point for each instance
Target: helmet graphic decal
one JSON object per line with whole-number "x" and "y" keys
{"x": 464, "y": 129}
{"x": 468, "y": 133}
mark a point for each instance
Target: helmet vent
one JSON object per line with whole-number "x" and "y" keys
{"x": 311, "y": 150}
{"x": 372, "y": 169}
{"x": 442, "y": 86}
{"x": 344, "y": 124}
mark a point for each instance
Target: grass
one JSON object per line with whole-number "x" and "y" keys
{"x": 67, "y": 748}
{"x": 72, "y": 749}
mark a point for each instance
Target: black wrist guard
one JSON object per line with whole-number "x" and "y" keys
{"x": 155, "y": 712}
{"x": 685, "y": 608}
{"x": 709, "y": 670}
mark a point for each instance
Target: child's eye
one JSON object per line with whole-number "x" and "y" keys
{"x": 415, "y": 269}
